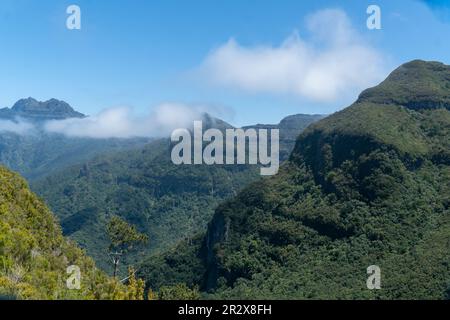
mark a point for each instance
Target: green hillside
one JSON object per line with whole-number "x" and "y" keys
{"x": 169, "y": 203}
{"x": 369, "y": 185}
{"x": 34, "y": 255}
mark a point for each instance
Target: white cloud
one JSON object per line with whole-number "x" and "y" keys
{"x": 123, "y": 123}
{"x": 19, "y": 126}
{"x": 334, "y": 61}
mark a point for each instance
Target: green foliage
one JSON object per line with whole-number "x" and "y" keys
{"x": 415, "y": 85}
{"x": 366, "y": 186}
{"x": 39, "y": 154}
{"x": 123, "y": 236}
{"x": 34, "y": 255}
{"x": 178, "y": 292}
{"x": 180, "y": 264}
{"x": 135, "y": 287}
{"x": 168, "y": 203}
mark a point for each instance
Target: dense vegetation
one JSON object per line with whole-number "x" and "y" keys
{"x": 39, "y": 154}
{"x": 34, "y": 255}
{"x": 369, "y": 185}
{"x": 167, "y": 202}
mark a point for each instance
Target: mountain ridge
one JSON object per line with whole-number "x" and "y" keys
{"x": 34, "y": 110}
{"x": 417, "y": 84}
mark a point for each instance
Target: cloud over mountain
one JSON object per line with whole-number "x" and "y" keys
{"x": 122, "y": 122}
{"x": 19, "y": 126}
{"x": 54, "y": 116}
{"x": 334, "y": 60}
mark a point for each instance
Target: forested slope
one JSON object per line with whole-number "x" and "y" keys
{"x": 34, "y": 255}
{"x": 369, "y": 185}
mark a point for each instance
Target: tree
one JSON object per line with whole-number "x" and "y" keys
{"x": 178, "y": 292}
{"x": 135, "y": 287}
{"x": 123, "y": 238}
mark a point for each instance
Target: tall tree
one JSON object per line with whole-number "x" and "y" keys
{"x": 123, "y": 238}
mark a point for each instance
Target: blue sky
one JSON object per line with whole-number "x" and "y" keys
{"x": 142, "y": 54}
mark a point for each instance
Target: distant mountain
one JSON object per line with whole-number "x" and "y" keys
{"x": 290, "y": 127}
{"x": 39, "y": 153}
{"x": 166, "y": 201}
{"x": 369, "y": 185}
{"x": 31, "y": 109}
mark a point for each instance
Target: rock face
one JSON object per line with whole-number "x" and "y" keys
{"x": 31, "y": 109}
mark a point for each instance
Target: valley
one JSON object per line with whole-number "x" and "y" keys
{"x": 366, "y": 186}
{"x": 165, "y": 201}
{"x": 201, "y": 155}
